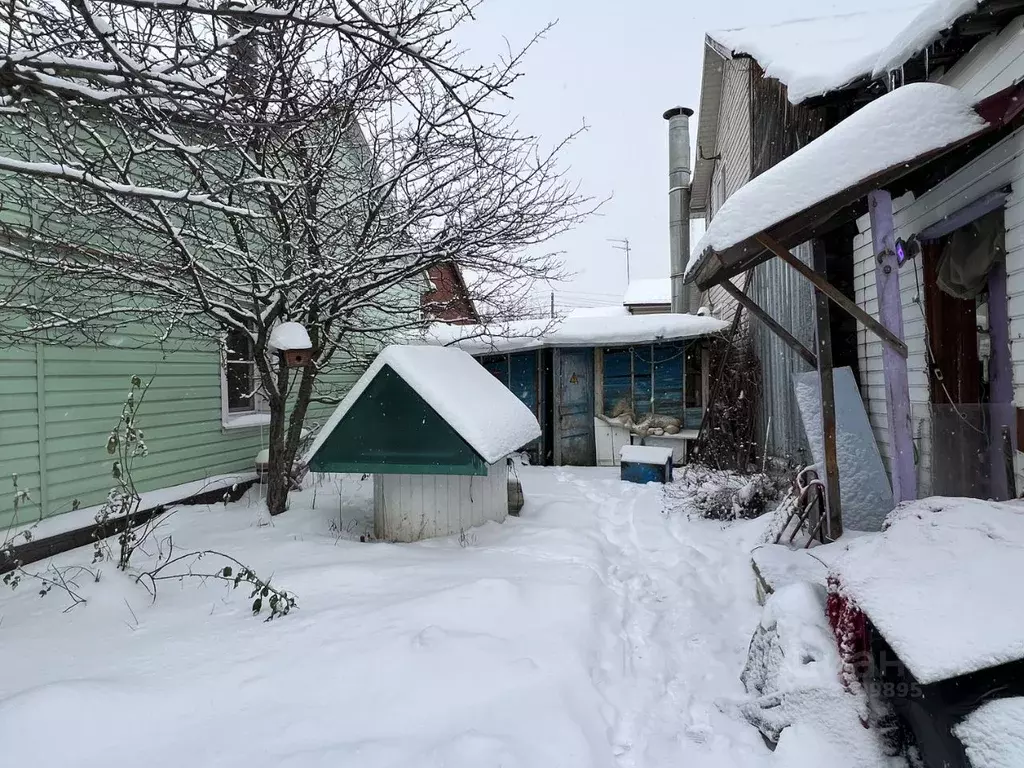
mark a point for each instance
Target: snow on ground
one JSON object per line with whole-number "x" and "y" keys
{"x": 595, "y": 630}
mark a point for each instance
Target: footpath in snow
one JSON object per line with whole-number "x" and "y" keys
{"x": 596, "y": 631}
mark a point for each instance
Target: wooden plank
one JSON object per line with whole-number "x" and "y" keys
{"x": 755, "y": 309}
{"x": 894, "y": 362}
{"x": 823, "y": 335}
{"x": 820, "y": 283}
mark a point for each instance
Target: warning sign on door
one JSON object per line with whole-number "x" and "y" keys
{"x": 574, "y": 380}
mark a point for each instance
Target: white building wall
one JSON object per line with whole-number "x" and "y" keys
{"x": 1000, "y": 166}
{"x": 993, "y": 64}
{"x": 413, "y": 507}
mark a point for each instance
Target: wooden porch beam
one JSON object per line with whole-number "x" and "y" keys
{"x": 823, "y": 335}
{"x": 823, "y": 285}
{"x": 897, "y": 384}
{"x": 755, "y": 309}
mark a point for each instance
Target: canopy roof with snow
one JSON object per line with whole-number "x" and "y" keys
{"x": 423, "y": 410}
{"x": 578, "y": 330}
{"x": 879, "y": 144}
{"x": 941, "y": 584}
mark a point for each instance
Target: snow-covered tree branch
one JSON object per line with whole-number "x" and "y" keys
{"x": 181, "y": 170}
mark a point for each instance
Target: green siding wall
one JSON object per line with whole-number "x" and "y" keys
{"x": 81, "y": 390}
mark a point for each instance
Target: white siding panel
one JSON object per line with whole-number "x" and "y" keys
{"x": 993, "y": 64}
{"x": 413, "y": 507}
{"x": 1001, "y": 166}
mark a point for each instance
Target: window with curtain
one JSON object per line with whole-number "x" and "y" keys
{"x": 661, "y": 379}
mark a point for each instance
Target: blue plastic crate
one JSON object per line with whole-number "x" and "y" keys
{"x": 645, "y": 464}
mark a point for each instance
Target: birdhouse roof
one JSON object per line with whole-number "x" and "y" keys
{"x": 289, "y": 336}
{"x": 491, "y": 420}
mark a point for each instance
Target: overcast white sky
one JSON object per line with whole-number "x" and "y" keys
{"x": 618, "y": 65}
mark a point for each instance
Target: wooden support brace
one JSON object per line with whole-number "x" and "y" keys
{"x": 823, "y": 285}
{"x": 753, "y": 308}
{"x": 834, "y": 524}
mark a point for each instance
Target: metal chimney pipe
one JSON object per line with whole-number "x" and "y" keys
{"x": 679, "y": 205}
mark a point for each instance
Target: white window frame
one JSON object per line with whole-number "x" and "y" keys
{"x": 258, "y": 416}
{"x": 717, "y": 189}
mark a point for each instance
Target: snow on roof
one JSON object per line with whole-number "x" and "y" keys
{"x": 993, "y": 734}
{"x": 818, "y": 55}
{"x": 478, "y": 407}
{"x": 644, "y": 454}
{"x": 920, "y": 31}
{"x": 657, "y": 290}
{"x": 289, "y": 335}
{"x": 937, "y": 582}
{"x": 573, "y": 331}
{"x": 894, "y": 129}
{"x": 614, "y": 311}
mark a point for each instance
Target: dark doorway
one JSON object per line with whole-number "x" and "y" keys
{"x": 574, "y": 408}
{"x": 968, "y": 359}
{"x": 842, "y": 325}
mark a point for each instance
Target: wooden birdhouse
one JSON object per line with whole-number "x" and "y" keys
{"x": 297, "y": 358}
{"x": 292, "y": 342}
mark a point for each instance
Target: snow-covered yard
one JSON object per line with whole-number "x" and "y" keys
{"x": 596, "y": 630}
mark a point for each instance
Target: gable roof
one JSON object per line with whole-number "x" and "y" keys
{"x": 816, "y": 55}
{"x": 932, "y": 34}
{"x": 478, "y": 407}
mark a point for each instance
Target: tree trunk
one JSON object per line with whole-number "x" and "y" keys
{"x": 279, "y": 465}
{"x": 284, "y": 442}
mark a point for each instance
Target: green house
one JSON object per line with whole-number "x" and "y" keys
{"x": 204, "y": 416}
{"x": 434, "y": 428}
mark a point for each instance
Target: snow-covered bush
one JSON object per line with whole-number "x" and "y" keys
{"x": 720, "y": 495}
{"x": 126, "y": 442}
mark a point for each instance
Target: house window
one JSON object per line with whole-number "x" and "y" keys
{"x": 718, "y": 189}
{"x": 659, "y": 379}
{"x": 518, "y": 373}
{"x": 242, "y": 403}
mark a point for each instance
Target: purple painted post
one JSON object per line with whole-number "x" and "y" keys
{"x": 1000, "y": 369}
{"x": 890, "y": 311}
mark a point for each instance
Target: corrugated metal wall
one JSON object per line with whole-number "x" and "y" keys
{"x": 788, "y": 298}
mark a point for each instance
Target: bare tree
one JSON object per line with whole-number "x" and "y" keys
{"x": 185, "y": 170}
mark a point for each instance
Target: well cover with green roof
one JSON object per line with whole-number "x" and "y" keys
{"x": 422, "y": 410}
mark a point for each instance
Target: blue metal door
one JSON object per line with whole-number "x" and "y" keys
{"x": 574, "y": 409}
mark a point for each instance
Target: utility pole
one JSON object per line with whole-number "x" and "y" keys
{"x": 552, "y": 305}
{"x": 622, "y": 245}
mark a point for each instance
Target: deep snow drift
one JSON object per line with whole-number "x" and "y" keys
{"x": 595, "y": 631}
